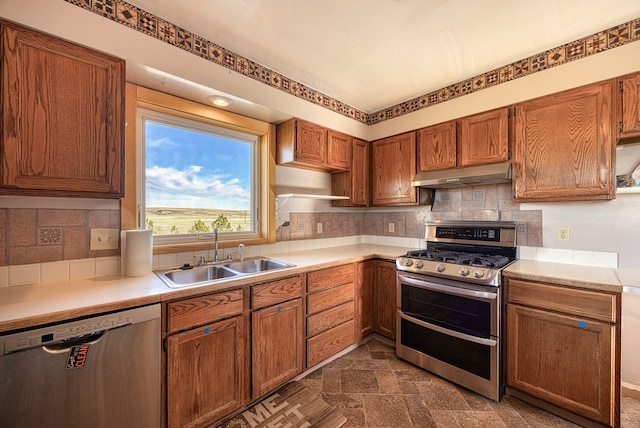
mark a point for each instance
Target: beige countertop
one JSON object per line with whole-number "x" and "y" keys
{"x": 26, "y": 306}
{"x": 30, "y": 305}
{"x": 588, "y": 277}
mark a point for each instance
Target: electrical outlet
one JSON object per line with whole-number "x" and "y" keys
{"x": 392, "y": 227}
{"x": 319, "y": 227}
{"x": 563, "y": 233}
{"x": 104, "y": 239}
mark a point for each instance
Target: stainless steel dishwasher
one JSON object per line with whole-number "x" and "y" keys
{"x": 102, "y": 371}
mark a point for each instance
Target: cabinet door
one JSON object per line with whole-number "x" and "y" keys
{"x": 63, "y": 117}
{"x": 564, "y": 360}
{"x": 393, "y": 165}
{"x": 385, "y": 300}
{"x": 437, "y": 147}
{"x": 564, "y": 145}
{"x": 484, "y": 138}
{"x": 339, "y": 149}
{"x": 277, "y": 345}
{"x": 630, "y": 106}
{"x": 205, "y": 373}
{"x": 355, "y": 182}
{"x": 364, "y": 296}
{"x": 311, "y": 143}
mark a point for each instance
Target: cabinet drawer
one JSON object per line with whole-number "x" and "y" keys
{"x": 204, "y": 309}
{"x": 276, "y": 292}
{"x": 583, "y": 303}
{"x": 329, "y": 298}
{"x": 326, "y": 278}
{"x": 327, "y": 344}
{"x": 330, "y": 318}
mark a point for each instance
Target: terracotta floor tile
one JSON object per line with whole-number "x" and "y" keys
{"x": 359, "y": 381}
{"x": 418, "y": 411}
{"x": 343, "y": 400}
{"x": 372, "y": 388}
{"x": 479, "y": 419}
{"x": 355, "y": 418}
{"x": 386, "y": 410}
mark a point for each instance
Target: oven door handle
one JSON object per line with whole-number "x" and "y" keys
{"x": 467, "y": 337}
{"x": 447, "y": 289}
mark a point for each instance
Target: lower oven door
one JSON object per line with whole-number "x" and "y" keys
{"x": 451, "y": 331}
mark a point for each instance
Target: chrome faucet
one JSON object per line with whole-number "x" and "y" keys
{"x": 216, "y": 258}
{"x": 240, "y": 252}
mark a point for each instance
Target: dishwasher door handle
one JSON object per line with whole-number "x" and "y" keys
{"x": 66, "y": 345}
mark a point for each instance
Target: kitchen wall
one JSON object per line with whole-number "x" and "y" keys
{"x": 609, "y": 226}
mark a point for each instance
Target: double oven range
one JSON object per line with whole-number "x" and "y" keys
{"x": 450, "y": 303}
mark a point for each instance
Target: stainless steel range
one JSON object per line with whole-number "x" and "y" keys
{"x": 450, "y": 302}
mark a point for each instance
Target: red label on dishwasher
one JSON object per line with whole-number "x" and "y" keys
{"x": 77, "y": 358}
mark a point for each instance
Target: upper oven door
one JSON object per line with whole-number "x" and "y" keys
{"x": 450, "y": 305}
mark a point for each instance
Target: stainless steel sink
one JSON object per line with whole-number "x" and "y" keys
{"x": 200, "y": 275}
{"x": 196, "y": 275}
{"x": 257, "y": 265}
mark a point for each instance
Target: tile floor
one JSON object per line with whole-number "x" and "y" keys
{"x": 373, "y": 388}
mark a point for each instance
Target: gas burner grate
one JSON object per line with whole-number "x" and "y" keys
{"x": 461, "y": 258}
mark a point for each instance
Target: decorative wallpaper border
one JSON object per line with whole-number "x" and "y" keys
{"x": 147, "y": 23}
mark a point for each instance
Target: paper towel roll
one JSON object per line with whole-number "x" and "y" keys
{"x": 137, "y": 252}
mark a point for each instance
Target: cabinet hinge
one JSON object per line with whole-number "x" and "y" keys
{"x": 620, "y": 129}
{"x": 509, "y": 154}
{"x": 164, "y": 345}
{"x": 295, "y": 153}
{"x": 515, "y": 193}
{"x": 621, "y": 86}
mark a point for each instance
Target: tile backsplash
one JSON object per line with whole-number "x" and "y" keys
{"x": 39, "y": 235}
{"x": 477, "y": 203}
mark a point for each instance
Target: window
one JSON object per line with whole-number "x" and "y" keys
{"x": 197, "y": 177}
{"x": 198, "y": 169}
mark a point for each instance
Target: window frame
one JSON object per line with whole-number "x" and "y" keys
{"x": 154, "y": 101}
{"x": 196, "y": 126}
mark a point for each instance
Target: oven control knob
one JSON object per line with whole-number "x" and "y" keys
{"x": 408, "y": 263}
{"x": 478, "y": 274}
{"x": 464, "y": 271}
{"x": 419, "y": 265}
{"x": 440, "y": 267}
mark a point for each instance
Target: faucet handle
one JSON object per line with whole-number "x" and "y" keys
{"x": 230, "y": 255}
{"x": 240, "y": 252}
{"x": 201, "y": 260}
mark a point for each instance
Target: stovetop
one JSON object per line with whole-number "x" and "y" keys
{"x": 470, "y": 252}
{"x": 461, "y": 258}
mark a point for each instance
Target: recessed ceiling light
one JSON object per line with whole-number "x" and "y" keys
{"x": 219, "y": 100}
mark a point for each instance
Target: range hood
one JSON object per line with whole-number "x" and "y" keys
{"x": 468, "y": 176}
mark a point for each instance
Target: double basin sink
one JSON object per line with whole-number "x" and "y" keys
{"x": 199, "y": 275}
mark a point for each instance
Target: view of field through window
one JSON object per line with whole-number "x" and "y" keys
{"x": 196, "y": 180}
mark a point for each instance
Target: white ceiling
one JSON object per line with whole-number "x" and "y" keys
{"x": 373, "y": 54}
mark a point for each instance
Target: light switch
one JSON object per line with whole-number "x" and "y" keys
{"x": 104, "y": 239}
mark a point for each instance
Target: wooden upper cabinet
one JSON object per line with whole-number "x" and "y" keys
{"x": 307, "y": 145}
{"x": 62, "y": 116}
{"x": 630, "y": 86}
{"x": 484, "y": 138}
{"x": 393, "y": 165}
{"x": 339, "y": 148}
{"x": 437, "y": 147}
{"x": 355, "y": 182}
{"x": 564, "y": 145}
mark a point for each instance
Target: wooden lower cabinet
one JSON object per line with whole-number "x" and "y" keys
{"x": 366, "y": 273}
{"x": 563, "y": 347}
{"x": 205, "y": 373}
{"x": 384, "y": 295}
{"x": 277, "y": 345}
{"x": 331, "y": 306}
